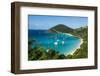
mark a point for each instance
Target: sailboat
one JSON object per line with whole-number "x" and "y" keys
{"x": 55, "y": 43}
{"x": 63, "y": 42}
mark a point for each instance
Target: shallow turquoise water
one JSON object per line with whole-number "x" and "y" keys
{"x": 62, "y": 42}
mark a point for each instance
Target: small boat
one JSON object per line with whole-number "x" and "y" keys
{"x": 47, "y": 50}
{"x": 63, "y": 42}
{"x": 58, "y": 40}
{"x": 55, "y": 43}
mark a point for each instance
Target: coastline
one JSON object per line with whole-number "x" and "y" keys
{"x": 69, "y": 34}
{"x": 77, "y": 47}
{"x": 81, "y": 42}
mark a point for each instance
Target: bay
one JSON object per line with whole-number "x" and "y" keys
{"x": 64, "y": 43}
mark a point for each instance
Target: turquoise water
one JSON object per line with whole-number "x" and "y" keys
{"x": 62, "y": 42}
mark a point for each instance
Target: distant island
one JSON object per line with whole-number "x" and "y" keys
{"x": 40, "y": 53}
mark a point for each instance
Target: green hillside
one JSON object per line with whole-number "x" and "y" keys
{"x": 61, "y": 28}
{"x": 82, "y": 52}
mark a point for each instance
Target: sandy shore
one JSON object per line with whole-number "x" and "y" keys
{"x": 76, "y": 47}
{"x": 69, "y": 34}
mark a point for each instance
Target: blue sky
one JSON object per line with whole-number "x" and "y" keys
{"x": 44, "y": 22}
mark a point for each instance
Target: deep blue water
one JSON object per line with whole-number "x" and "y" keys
{"x": 62, "y": 42}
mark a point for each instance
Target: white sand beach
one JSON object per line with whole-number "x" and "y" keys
{"x": 76, "y": 47}
{"x": 68, "y": 34}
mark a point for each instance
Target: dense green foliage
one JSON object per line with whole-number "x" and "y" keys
{"x": 40, "y": 53}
